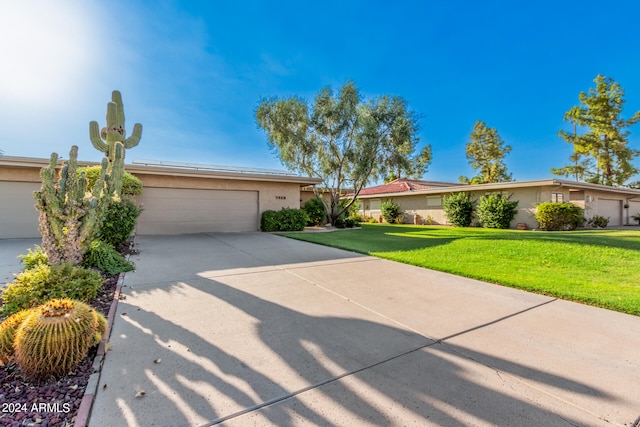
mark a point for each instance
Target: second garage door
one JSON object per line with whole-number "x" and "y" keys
{"x": 634, "y": 209}
{"x": 177, "y": 211}
{"x": 610, "y": 209}
{"x": 18, "y": 215}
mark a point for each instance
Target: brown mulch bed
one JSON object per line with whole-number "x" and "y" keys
{"x": 54, "y": 402}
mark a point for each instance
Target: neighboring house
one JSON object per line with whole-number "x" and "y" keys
{"x": 421, "y": 201}
{"x": 177, "y": 198}
{"x": 397, "y": 186}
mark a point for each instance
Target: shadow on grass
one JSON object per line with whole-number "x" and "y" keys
{"x": 391, "y": 238}
{"x": 599, "y": 238}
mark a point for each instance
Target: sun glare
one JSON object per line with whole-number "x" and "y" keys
{"x": 45, "y": 48}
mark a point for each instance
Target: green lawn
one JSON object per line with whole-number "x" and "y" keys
{"x": 596, "y": 267}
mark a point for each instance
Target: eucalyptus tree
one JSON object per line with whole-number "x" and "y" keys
{"x": 486, "y": 151}
{"x": 405, "y": 165}
{"x": 342, "y": 139}
{"x": 602, "y": 154}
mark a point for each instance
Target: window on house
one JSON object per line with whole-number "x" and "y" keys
{"x": 434, "y": 201}
{"x": 557, "y": 197}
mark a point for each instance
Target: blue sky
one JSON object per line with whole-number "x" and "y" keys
{"x": 192, "y": 72}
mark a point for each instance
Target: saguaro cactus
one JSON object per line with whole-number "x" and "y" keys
{"x": 70, "y": 216}
{"x": 112, "y": 140}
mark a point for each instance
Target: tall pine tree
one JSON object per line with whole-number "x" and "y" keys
{"x": 601, "y": 155}
{"x": 486, "y": 151}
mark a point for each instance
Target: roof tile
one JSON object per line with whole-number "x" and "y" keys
{"x": 403, "y": 185}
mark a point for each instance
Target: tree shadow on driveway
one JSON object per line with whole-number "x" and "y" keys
{"x": 231, "y": 355}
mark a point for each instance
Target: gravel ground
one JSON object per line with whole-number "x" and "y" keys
{"x": 53, "y": 402}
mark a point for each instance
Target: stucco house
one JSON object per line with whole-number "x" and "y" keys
{"x": 421, "y": 201}
{"x": 177, "y": 197}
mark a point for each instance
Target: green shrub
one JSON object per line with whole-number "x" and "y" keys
{"x": 43, "y": 282}
{"x": 119, "y": 222}
{"x": 343, "y": 222}
{"x": 131, "y": 185}
{"x": 353, "y": 210}
{"x": 391, "y": 212}
{"x": 357, "y": 218}
{"x": 598, "y": 221}
{"x": 315, "y": 210}
{"x": 555, "y": 216}
{"x": 269, "y": 221}
{"x": 292, "y": 219}
{"x": 636, "y": 217}
{"x": 104, "y": 257}
{"x": 459, "y": 209}
{"x": 33, "y": 258}
{"x": 284, "y": 220}
{"x": 496, "y": 211}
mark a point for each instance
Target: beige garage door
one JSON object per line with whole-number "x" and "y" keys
{"x": 176, "y": 211}
{"x": 634, "y": 209}
{"x": 18, "y": 215}
{"x": 611, "y": 209}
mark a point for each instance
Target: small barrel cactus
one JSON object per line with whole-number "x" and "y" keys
{"x": 8, "y": 330}
{"x": 55, "y": 337}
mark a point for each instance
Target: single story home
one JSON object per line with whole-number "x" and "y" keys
{"x": 421, "y": 201}
{"x": 177, "y": 197}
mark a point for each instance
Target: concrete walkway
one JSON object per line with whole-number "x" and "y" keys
{"x": 255, "y": 329}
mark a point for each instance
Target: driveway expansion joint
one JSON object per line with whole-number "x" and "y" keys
{"x": 493, "y": 322}
{"x": 312, "y": 387}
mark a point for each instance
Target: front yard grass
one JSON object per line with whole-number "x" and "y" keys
{"x": 596, "y": 267}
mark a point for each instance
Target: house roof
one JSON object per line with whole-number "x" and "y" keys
{"x": 403, "y": 185}
{"x": 241, "y": 175}
{"x": 500, "y": 186}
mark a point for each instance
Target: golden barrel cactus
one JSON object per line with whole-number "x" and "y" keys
{"x": 55, "y": 337}
{"x": 8, "y": 330}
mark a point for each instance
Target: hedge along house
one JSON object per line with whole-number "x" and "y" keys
{"x": 177, "y": 197}
{"x": 421, "y": 201}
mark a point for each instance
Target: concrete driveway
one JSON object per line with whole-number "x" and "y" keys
{"x": 256, "y": 329}
{"x": 10, "y": 264}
